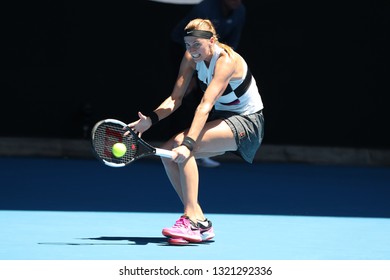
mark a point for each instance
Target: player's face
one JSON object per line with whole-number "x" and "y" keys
{"x": 198, "y": 48}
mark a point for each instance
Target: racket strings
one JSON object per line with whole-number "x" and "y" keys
{"x": 106, "y": 135}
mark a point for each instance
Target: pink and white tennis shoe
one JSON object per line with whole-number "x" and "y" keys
{"x": 184, "y": 228}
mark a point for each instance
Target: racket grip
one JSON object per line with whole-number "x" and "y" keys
{"x": 165, "y": 153}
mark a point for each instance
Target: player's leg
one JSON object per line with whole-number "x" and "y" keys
{"x": 215, "y": 138}
{"x": 184, "y": 228}
{"x": 181, "y": 176}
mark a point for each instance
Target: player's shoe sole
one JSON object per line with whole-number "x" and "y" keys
{"x": 194, "y": 239}
{"x": 181, "y": 241}
{"x": 178, "y": 241}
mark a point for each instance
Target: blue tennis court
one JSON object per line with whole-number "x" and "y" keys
{"x": 78, "y": 209}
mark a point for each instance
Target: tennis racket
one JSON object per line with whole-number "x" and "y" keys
{"x": 108, "y": 132}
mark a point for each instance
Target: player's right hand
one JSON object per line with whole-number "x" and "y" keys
{"x": 182, "y": 154}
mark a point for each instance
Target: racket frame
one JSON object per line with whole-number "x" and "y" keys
{"x": 148, "y": 149}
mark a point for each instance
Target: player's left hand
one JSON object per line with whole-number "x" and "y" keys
{"x": 139, "y": 126}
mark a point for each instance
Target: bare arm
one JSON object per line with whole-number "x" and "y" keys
{"x": 224, "y": 70}
{"x": 173, "y": 102}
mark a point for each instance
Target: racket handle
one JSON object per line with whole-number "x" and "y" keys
{"x": 165, "y": 153}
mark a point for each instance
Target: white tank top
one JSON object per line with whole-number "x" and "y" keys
{"x": 242, "y": 102}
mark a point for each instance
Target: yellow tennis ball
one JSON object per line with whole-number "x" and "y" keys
{"x": 119, "y": 150}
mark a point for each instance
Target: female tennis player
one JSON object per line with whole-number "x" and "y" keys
{"x": 228, "y": 118}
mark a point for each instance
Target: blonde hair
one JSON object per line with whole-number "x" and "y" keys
{"x": 207, "y": 25}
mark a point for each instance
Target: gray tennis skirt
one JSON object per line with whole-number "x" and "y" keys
{"x": 248, "y": 131}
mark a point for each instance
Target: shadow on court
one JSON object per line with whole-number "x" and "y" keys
{"x": 128, "y": 240}
{"x": 234, "y": 188}
{"x": 122, "y": 241}
{"x": 134, "y": 240}
{"x": 145, "y": 240}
